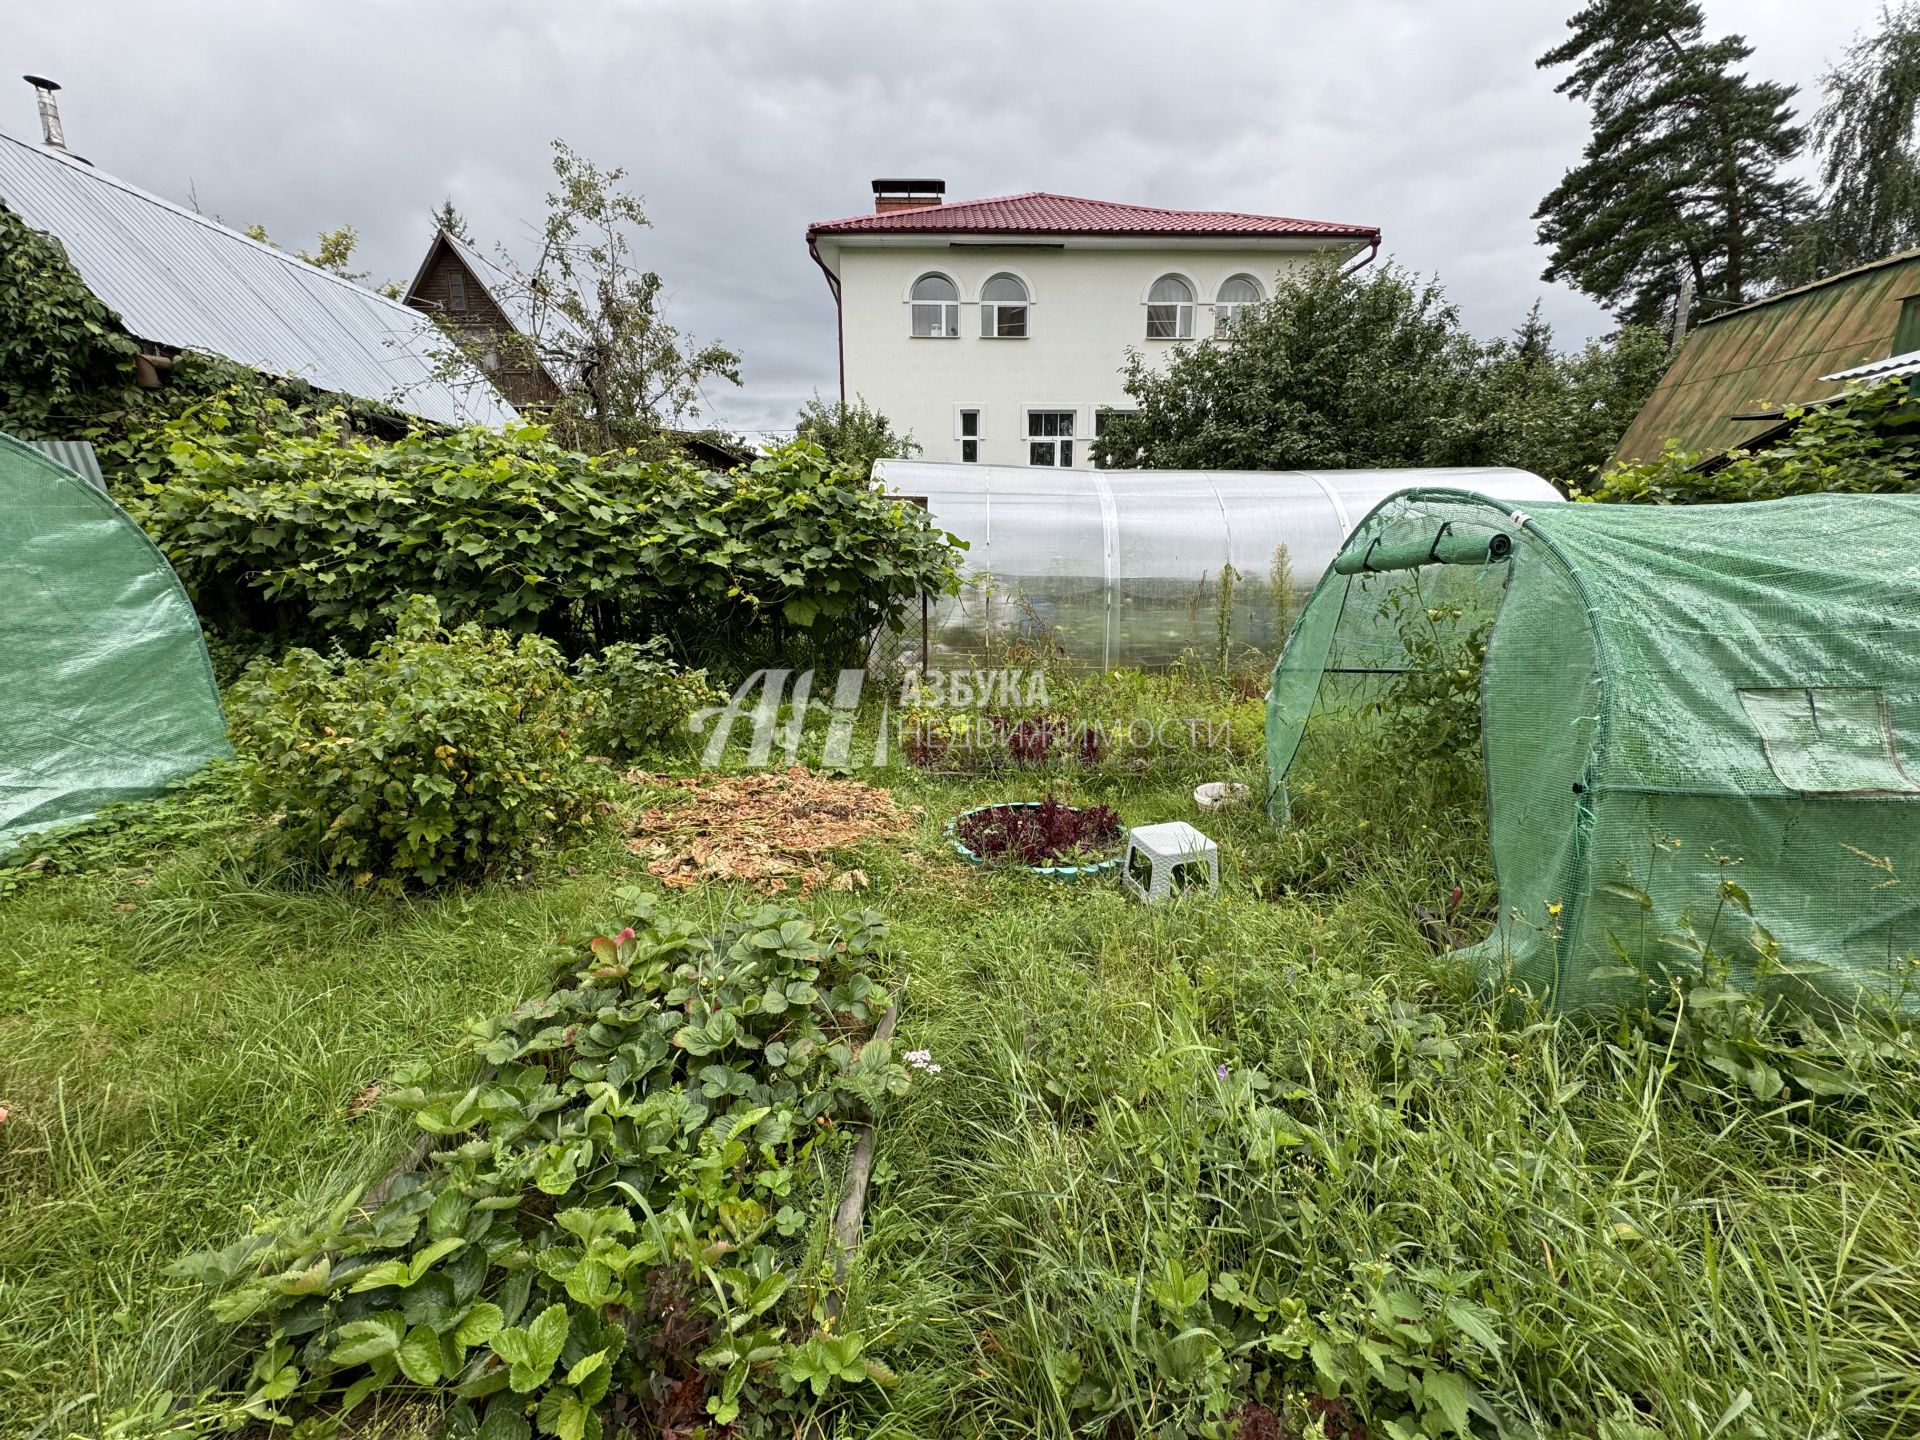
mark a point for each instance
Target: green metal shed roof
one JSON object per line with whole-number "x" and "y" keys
{"x": 1772, "y": 353}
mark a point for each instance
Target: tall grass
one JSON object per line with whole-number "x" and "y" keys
{"x": 1577, "y": 1224}
{"x": 1650, "y": 1262}
{"x": 181, "y": 1048}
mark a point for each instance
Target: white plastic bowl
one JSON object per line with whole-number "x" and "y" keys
{"x": 1220, "y": 794}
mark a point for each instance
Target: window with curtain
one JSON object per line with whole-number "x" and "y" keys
{"x": 1170, "y": 309}
{"x": 936, "y": 308}
{"x": 1003, "y": 309}
{"x": 1239, "y": 291}
{"x": 1050, "y": 437}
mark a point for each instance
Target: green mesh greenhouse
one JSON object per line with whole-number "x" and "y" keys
{"x": 1672, "y": 698}
{"x": 108, "y": 693}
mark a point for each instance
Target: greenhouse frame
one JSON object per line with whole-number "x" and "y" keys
{"x": 1695, "y": 721}
{"x": 1123, "y": 567}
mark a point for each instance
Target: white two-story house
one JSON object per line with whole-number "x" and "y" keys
{"x": 996, "y": 331}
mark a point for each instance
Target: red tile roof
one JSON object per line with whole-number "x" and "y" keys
{"x": 1040, "y": 213}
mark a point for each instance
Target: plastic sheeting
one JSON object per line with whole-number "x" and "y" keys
{"x": 1699, "y": 724}
{"x": 109, "y": 694}
{"x": 1123, "y": 567}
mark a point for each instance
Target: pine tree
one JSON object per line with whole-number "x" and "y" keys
{"x": 1682, "y": 173}
{"x": 1864, "y": 135}
{"x": 452, "y": 221}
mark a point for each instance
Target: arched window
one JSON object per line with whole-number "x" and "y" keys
{"x": 936, "y": 307}
{"x": 1170, "y": 309}
{"x": 1238, "y": 291}
{"x": 1003, "y": 309}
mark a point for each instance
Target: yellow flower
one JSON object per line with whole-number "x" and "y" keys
{"x": 1554, "y": 908}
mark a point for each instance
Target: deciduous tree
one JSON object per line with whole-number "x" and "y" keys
{"x": 1869, "y": 166}
{"x": 595, "y": 321}
{"x": 854, "y": 435}
{"x": 1336, "y": 371}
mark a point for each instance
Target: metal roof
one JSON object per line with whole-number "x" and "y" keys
{"x": 76, "y": 455}
{"x": 1904, "y": 364}
{"x": 1038, "y": 212}
{"x": 1736, "y": 370}
{"x": 181, "y": 280}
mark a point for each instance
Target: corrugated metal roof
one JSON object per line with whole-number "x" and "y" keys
{"x": 76, "y": 455}
{"x": 181, "y": 280}
{"x": 1903, "y": 364}
{"x": 1787, "y": 349}
{"x": 1038, "y": 212}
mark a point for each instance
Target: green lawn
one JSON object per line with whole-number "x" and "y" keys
{"x": 1466, "y": 1210}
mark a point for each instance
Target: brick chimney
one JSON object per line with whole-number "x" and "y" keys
{"x": 906, "y": 194}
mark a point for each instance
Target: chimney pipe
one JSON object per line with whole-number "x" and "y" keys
{"x": 52, "y": 134}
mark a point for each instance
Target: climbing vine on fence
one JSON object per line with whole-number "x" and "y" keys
{"x": 312, "y": 535}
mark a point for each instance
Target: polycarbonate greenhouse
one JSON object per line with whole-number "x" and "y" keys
{"x": 109, "y": 694}
{"x": 1123, "y": 567}
{"x": 1692, "y": 719}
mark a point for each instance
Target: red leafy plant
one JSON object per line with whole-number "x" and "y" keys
{"x": 1041, "y": 834}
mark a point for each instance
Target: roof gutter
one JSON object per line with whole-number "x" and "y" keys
{"x": 1365, "y": 260}
{"x": 839, "y": 315}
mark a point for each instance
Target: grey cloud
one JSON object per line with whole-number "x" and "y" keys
{"x": 742, "y": 120}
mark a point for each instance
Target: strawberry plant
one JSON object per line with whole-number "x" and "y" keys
{"x": 618, "y": 1228}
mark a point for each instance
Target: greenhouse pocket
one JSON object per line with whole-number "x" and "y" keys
{"x": 1829, "y": 739}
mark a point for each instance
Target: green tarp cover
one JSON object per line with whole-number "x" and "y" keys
{"x": 108, "y": 694}
{"x": 1672, "y": 698}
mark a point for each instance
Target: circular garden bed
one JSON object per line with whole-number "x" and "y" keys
{"x": 1066, "y": 842}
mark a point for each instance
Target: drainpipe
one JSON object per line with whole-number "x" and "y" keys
{"x": 1364, "y": 260}
{"x": 839, "y": 315}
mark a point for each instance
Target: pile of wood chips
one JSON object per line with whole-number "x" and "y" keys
{"x": 774, "y": 830}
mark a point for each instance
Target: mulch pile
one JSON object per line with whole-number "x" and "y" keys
{"x": 771, "y": 829}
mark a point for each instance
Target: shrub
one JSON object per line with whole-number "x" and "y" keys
{"x": 438, "y": 754}
{"x": 635, "y": 698}
{"x": 787, "y": 560}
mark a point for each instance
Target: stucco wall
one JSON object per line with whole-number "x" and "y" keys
{"x": 1088, "y": 305}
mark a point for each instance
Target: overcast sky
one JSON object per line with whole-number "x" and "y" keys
{"x": 739, "y": 121}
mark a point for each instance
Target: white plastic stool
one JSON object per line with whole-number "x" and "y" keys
{"x": 1168, "y": 848}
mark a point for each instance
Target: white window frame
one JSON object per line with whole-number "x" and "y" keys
{"x": 947, "y": 326}
{"x": 1226, "y": 311}
{"x": 1029, "y": 439}
{"x": 1183, "y": 309}
{"x": 990, "y": 309}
